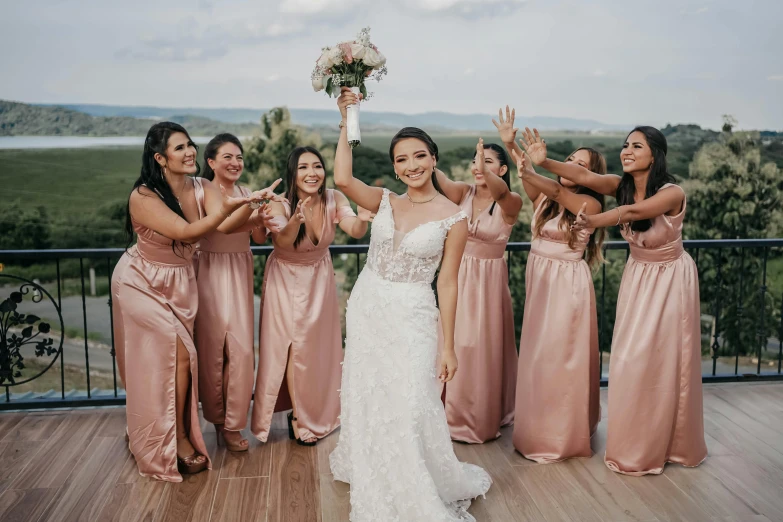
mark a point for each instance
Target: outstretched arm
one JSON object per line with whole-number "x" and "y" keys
{"x": 510, "y": 203}
{"x": 364, "y": 195}
{"x": 353, "y": 225}
{"x": 554, "y": 190}
{"x": 535, "y": 147}
{"x": 508, "y": 135}
{"x": 454, "y": 190}
{"x": 666, "y": 201}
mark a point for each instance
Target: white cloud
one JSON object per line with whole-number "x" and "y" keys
{"x": 468, "y": 8}
{"x": 311, "y": 7}
{"x": 775, "y": 78}
{"x": 599, "y": 73}
{"x": 469, "y": 71}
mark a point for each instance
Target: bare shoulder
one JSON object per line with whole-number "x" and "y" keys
{"x": 141, "y": 194}
{"x": 445, "y": 207}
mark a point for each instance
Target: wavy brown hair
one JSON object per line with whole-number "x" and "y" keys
{"x": 551, "y": 208}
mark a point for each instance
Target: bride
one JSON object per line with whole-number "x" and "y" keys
{"x": 394, "y": 447}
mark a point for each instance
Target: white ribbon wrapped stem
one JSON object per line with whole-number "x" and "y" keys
{"x": 354, "y": 135}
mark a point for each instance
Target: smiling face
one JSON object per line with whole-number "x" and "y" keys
{"x": 180, "y": 156}
{"x": 310, "y": 175}
{"x": 228, "y": 163}
{"x": 491, "y": 164}
{"x": 580, "y": 157}
{"x": 636, "y": 156}
{"x": 413, "y": 162}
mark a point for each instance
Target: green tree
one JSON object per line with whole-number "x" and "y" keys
{"x": 732, "y": 194}
{"x": 23, "y": 227}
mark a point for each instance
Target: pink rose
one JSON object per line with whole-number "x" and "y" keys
{"x": 347, "y": 55}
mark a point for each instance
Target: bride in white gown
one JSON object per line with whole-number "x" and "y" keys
{"x": 394, "y": 447}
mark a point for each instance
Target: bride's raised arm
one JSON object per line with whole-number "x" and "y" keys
{"x": 536, "y": 149}
{"x": 358, "y": 191}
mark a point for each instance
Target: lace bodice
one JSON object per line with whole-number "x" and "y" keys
{"x": 415, "y": 256}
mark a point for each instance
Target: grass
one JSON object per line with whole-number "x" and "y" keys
{"x": 68, "y": 181}
{"x": 75, "y": 378}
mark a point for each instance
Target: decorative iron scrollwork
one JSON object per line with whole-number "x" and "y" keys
{"x": 23, "y": 335}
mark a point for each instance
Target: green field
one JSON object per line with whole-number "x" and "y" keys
{"x": 71, "y": 181}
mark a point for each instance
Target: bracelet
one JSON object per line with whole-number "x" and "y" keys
{"x": 619, "y": 216}
{"x": 342, "y": 124}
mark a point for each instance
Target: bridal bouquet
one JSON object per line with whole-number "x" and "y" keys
{"x": 349, "y": 64}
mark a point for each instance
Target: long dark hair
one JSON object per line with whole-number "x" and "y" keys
{"x": 211, "y": 150}
{"x": 657, "y": 178}
{"x": 151, "y": 175}
{"x": 503, "y": 160}
{"x": 550, "y": 209}
{"x": 418, "y": 134}
{"x": 290, "y": 180}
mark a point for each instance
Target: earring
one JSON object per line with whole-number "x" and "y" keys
{"x": 397, "y": 176}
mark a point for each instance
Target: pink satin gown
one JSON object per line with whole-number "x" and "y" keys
{"x": 157, "y": 299}
{"x": 557, "y": 407}
{"x": 655, "y": 392}
{"x": 300, "y": 312}
{"x": 480, "y": 399}
{"x": 116, "y": 310}
{"x": 224, "y": 325}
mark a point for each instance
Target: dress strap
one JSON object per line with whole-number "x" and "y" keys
{"x": 198, "y": 188}
{"x": 452, "y": 220}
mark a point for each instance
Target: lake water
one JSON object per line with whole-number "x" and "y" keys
{"x": 78, "y": 142}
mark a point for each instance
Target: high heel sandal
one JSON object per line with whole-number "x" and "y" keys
{"x": 230, "y": 446}
{"x": 191, "y": 465}
{"x": 291, "y": 435}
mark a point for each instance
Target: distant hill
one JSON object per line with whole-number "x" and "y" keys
{"x": 21, "y": 119}
{"x": 379, "y": 120}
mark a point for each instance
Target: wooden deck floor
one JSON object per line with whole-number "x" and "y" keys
{"x": 75, "y": 465}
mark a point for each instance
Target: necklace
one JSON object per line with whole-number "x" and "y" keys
{"x": 413, "y": 203}
{"x": 184, "y": 182}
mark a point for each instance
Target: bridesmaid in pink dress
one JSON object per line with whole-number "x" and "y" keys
{"x": 300, "y": 336}
{"x": 224, "y": 272}
{"x": 655, "y": 393}
{"x": 157, "y": 300}
{"x": 557, "y": 402}
{"x": 481, "y": 399}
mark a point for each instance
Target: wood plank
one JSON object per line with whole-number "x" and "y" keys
{"x": 710, "y": 494}
{"x": 664, "y": 498}
{"x": 191, "y": 499}
{"x": 325, "y": 447}
{"x": 14, "y": 457}
{"x": 508, "y": 499}
{"x": 241, "y": 500}
{"x": 132, "y": 502}
{"x": 752, "y": 484}
{"x": 114, "y": 424}
{"x": 24, "y": 505}
{"x": 335, "y": 499}
{"x": 608, "y": 496}
{"x": 86, "y": 490}
{"x": 295, "y": 494}
{"x": 58, "y": 456}
{"x": 255, "y": 462}
{"x": 8, "y": 421}
{"x": 750, "y": 422}
{"x": 35, "y": 427}
{"x": 743, "y": 443}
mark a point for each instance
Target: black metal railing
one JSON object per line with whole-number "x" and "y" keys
{"x": 739, "y": 340}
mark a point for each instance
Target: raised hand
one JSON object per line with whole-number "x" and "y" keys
{"x": 582, "y": 220}
{"x": 534, "y": 145}
{"x": 523, "y": 165}
{"x": 230, "y": 203}
{"x": 480, "y": 165}
{"x": 346, "y": 98}
{"x": 268, "y": 193}
{"x": 505, "y": 126}
{"x": 298, "y": 215}
{"x": 267, "y": 219}
{"x": 364, "y": 215}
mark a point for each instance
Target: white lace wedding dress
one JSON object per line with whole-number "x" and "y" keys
{"x": 394, "y": 447}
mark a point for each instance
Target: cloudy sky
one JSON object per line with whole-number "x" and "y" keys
{"x": 616, "y": 61}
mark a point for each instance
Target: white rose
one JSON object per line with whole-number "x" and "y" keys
{"x": 324, "y": 62}
{"x": 373, "y": 58}
{"x": 335, "y": 56}
{"x": 319, "y": 83}
{"x": 357, "y": 50}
